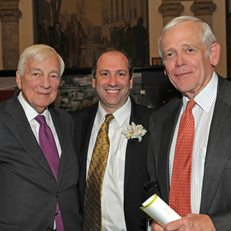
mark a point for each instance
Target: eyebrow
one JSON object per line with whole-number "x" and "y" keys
{"x": 125, "y": 70}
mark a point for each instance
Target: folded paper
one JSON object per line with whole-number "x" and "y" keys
{"x": 159, "y": 211}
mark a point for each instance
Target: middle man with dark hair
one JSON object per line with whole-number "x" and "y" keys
{"x": 112, "y": 153}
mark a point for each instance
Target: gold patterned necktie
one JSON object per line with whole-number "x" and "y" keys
{"x": 92, "y": 200}
{"x": 180, "y": 190}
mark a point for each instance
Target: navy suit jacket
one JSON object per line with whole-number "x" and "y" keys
{"x": 29, "y": 191}
{"x": 135, "y": 162}
{"x": 216, "y": 189}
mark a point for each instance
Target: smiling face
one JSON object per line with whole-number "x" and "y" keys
{"x": 40, "y": 82}
{"x": 188, "y": 63}
{"x": 112, "y": 80}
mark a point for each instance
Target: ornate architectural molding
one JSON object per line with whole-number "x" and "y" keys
{"x": 9, "y": 16}
{"x": 203, "y": 7}
{"x": 173, "y": 8}
{"x": 9, "y": 10}
{"x": 170, "y": 9}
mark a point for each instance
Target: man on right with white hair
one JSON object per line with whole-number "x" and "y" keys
{"x": 189, "y": 159}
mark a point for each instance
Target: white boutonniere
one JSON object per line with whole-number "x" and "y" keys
{"x": 134, "y": 131}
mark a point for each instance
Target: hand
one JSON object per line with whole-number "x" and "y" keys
{"x": 191, "y": 222}
{"x": 155, "y": 226}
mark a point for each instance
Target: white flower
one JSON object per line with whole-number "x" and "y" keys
{"x": 134, "y": 131}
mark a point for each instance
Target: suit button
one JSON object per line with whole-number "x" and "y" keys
{"x": 57, "y": 194}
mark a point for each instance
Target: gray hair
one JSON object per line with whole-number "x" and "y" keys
{"x": 207, "y": 36}
{"x": 38, "y": 52}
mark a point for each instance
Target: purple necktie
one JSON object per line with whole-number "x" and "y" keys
{"x": 49, "y": 149}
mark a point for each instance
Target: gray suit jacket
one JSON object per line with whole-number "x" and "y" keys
{"x": 28, "y": 189}
{"x": 216, "y": 189}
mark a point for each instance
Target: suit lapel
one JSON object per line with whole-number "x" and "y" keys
{"x": 62, "y": 136}
{"x": 217, "y": 152}
{"x": 21, "y": 130}
{"x": 130, "y": 153}
{"x": 165, "y": 146}
{"x": 87, "y": 123}
{"x": 133, "y": 145}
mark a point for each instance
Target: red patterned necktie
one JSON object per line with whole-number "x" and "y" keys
{"x": 48, "y": 146}
{"x": 180, "y": 190}
{"x": 92, "y": 200}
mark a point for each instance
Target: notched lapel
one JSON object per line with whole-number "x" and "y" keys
{"x": 134, "y": 147}
{"x": 21, "y": 130}
{"x": 61, "y": 133}
{"x": 217, "y": 153}
{"x": 166, "y": 137}
{"x": 68, "y": 154}
{"x": 19, "y": 126}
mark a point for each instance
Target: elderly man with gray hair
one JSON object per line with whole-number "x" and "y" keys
{"x": 38, "y": 164}
{"x": 189, "y": 156}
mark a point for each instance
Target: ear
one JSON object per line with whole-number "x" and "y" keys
{"x": 93, "y": 81}
{"x": 215, "y": 54}
{"x": 18, "y": 80}
{"x": 131, "y": 82}
{"x": 165, "y": 72}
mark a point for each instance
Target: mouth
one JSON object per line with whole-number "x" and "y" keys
{"x": 112, "y": 91}
{"x": 182, "y": 74}
{"x": 44, "y": 93}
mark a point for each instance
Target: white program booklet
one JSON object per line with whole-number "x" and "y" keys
{"x": 158, "y": 210}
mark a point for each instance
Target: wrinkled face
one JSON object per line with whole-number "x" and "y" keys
{"x": 40, "y": 82}
{"x": 188, "y": 64}
{"x": 112, "y": 80}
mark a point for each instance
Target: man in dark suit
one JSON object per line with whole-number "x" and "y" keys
{"x": 190, "y": 52}
{"x": 31, "y": 196}
{"x": 126, "y": 173}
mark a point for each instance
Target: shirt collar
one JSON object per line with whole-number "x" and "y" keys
{"x": 120, "y": 115}
{"x": 207, "y": 95}
{"x": 30, "y": 112}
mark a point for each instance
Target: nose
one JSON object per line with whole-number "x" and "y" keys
{"x": 45, "y": 81}
{"x": 180, "y": 61}
{"x": 112, "y": 80}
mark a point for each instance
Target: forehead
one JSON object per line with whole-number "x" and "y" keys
{"x": 182, "y": 33}
{"x": 112, "y": 59}
{"x": 50, "y": 62}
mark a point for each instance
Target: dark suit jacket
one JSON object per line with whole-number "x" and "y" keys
{"x": 135, "y": 163}
{"x": 28, "y": 190}
{"x": 216, "y": 189}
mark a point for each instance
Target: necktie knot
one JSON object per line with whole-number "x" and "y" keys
{"x": 108, "y": 118}
{"x": 41, "y": 119}
{"x": 191, "y": 103}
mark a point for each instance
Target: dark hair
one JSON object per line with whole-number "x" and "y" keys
{"x": 101, "y": 52}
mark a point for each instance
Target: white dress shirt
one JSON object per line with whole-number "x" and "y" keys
{"x": 34, "y": 124}
{"x": 113, "y": 218}
{"x": 31, "y": 114}
{"x": 203, "y": 113}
